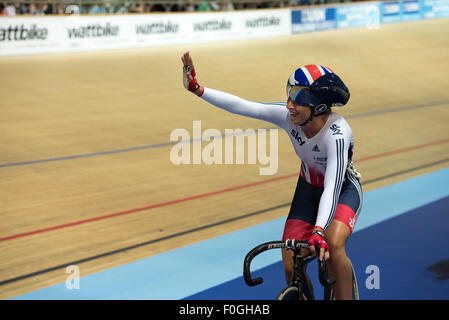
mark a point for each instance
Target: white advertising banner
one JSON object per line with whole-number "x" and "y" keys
{"x": 93, "y": 33}
{"x": 244, "y": 25}
{"x": 44, "y": 34}
{"x": 28, "y": 35}
{"x": 212, "y": 26}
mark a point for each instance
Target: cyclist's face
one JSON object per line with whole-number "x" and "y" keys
{"x": 298, "y": 114}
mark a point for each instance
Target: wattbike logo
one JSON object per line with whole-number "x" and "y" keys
{"x": 263, "y": 22}
{"x": 212, "y": 25}
{"x": 94, "y": 31}
{"x": 23, "y": 33}
{"x": 157, "y": 28}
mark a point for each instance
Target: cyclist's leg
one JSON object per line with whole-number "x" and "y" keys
{"x": 300, "y": 221}
{"x": 339, "y": 265}
{"x": 287, "y": 259}
{"x": 294, "y": 229}
{"x": 338, "y": 234}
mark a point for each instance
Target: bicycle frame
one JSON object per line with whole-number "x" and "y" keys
{"x": 299, "y": 277}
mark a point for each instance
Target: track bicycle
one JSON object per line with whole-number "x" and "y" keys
{"x": 298, "y": 289}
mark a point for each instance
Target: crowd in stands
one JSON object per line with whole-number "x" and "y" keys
{"x": 13, "y": 9}
{"x": 61, "y": 7}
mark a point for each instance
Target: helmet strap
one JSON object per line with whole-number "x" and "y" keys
{"x": 312, "y": 115}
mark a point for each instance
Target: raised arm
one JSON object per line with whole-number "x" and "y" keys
{"x": 275, "y": 113}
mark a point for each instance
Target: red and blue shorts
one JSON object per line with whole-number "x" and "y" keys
{"x": 304, "y": 208}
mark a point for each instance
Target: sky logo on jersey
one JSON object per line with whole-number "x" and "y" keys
{"x": 297, "y": 137}
{"x": 335, "y": 129}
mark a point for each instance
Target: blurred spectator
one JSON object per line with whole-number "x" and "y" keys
{"x": 204, "y": 6}
{"x": 227, "y": 6}
{"x": 10, "y": 9}
{"x": 42, "y": 9}
{"x": 252, "y": 4}
{"x": 72, "y": 9}
{"x": 214, "y": 5}
{"x": 32, "y": 9}
{"x": 121, "y": 10}
{"x": 156, "y": 8}
{"x": 137, "y": 8}
{"x": 208, "y": 5}
{"x": 190, "y": 7}
{"x": 142, "y": 6}
{"x": 304, "y": 2}
{"x": 122, "y": 7}
{"x": 48, "y": 9}
{"x": 22, "y": 9}
{"x": 96, "y": 9}
{"x": 60, "y": 9}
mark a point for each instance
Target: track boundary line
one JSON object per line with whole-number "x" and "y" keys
{"x": 204, "y": 195}
{"x": 142, "y": 244}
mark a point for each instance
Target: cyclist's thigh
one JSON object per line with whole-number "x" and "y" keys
{"x": 350, "y": 202}
{"x": 303, "y": 211}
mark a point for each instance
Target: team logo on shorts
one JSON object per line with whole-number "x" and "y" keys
{"x": 352, "y": 223}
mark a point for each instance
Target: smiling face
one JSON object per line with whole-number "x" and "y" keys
{"x": 298, "y": 114}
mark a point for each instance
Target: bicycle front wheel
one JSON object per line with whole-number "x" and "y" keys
{"x": 291, "y": 293}
{"x": 355, "y": 288}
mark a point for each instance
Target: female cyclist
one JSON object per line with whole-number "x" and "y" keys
{"x": 328, "y": 195}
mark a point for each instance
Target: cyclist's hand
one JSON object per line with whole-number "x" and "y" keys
{"x": 317, "y": 240}
{"x": 189, "y": 75}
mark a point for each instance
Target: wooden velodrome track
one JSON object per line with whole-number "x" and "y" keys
{"x": 67, "y": 200}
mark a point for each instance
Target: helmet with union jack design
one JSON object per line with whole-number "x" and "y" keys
{"x": 317, "y": 87}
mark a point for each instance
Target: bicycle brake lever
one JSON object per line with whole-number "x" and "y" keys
{"x": 328, "y": 282}
{"x": 324, "y": 279}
